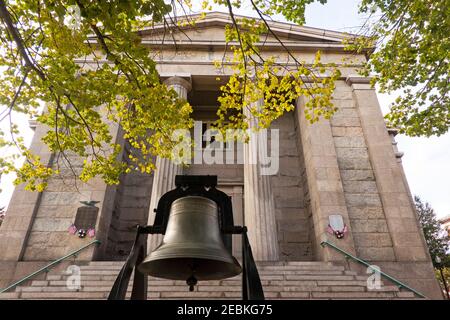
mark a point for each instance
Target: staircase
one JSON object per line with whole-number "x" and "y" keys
{"x": 281, "y": 280}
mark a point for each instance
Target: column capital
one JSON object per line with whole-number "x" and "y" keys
{"x": 357, "y": 79}
{"x": 184, "y": 81}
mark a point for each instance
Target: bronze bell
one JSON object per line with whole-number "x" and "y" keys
{"x": 192, "y": 248}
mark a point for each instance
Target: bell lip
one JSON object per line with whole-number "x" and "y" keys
{"x": 190, "y": 255}
{"x": 234, "y": 270}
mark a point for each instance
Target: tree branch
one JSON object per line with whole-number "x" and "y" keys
{"x": 6, "y": 17}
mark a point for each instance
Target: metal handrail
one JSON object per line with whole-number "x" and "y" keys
{"x": 363, "y": 262}
{"x": 49, "y": 266}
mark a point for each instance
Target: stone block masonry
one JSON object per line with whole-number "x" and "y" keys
{"x": 288, "y": 189}
{"x": 365, "y": 210}
{"x": 131, "y": 207}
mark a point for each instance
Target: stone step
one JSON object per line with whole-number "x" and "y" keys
{"x": 63, "y": 295}
{"x": 198, "y": 295}
{"x": 318, "y": 277}
{"x": 291, "y": 295}
{"x": 342, "y": 283}
{"x": 163, "y": 282}
{"x": 259, "y": 264}
{"x": 101, "y": 268}
{"x": 9, "y": 295}
{"x": 322, "y": 280}
{"x": 96, "y": 271}
{"x": 158, "y": 283}
{"x": 306, "y": 263}
{"x": 302, "y": 267}
{"x": 283, "y": 285}
{"x": 306, "y": 273}
{"x": 298, "y": 268}
{"x": 220, "y": 294}
{"x": 103, "y": 295}
{"x": 106, "y": 263}
{"x": 150, "y": 283}
{"x": 81, "y": 296}
{"x": 406, "y": 295}
{"x": 279, "y": 276}
{"x": 85, "y": 277}
{"x": 344, "y": 289}
{"x": 352, "y": 295}
{"x": 113, "y": 277}
{"x": 48, "y": 289}
{"x": 385, "y": 288}
{"x": 268, "y": 288}
{"x": 39, "y": 283}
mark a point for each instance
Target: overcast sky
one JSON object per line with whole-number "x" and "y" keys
{"x": 426, "y": 160}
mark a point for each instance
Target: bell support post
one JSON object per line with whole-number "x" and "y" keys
{"x": 136, "y": 256}
{"x": 251, "y": 283}
{"x": 204, "y": 186}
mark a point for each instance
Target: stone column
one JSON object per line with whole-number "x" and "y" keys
{"x": 259, "y": 207}
{"x": 166, "y": 170}
{"x": 324, "y": 183}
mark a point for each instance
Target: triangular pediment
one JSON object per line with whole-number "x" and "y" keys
{"x": 211, "y": 29}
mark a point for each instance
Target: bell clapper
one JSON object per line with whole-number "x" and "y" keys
{"x": 191, "y": 282}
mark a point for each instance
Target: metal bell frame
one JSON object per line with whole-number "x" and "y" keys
{"x": 204, "y": 186}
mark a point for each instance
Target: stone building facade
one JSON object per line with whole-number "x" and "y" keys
{"x": 348, "y": 165}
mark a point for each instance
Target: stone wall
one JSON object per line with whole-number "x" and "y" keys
{"x": 22, "y": 209}
{"x": 293, "y": 224}
{"x": 131, "y": 207}
{"x": 368, "y": 223}
{"x": 49, "y": 238}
